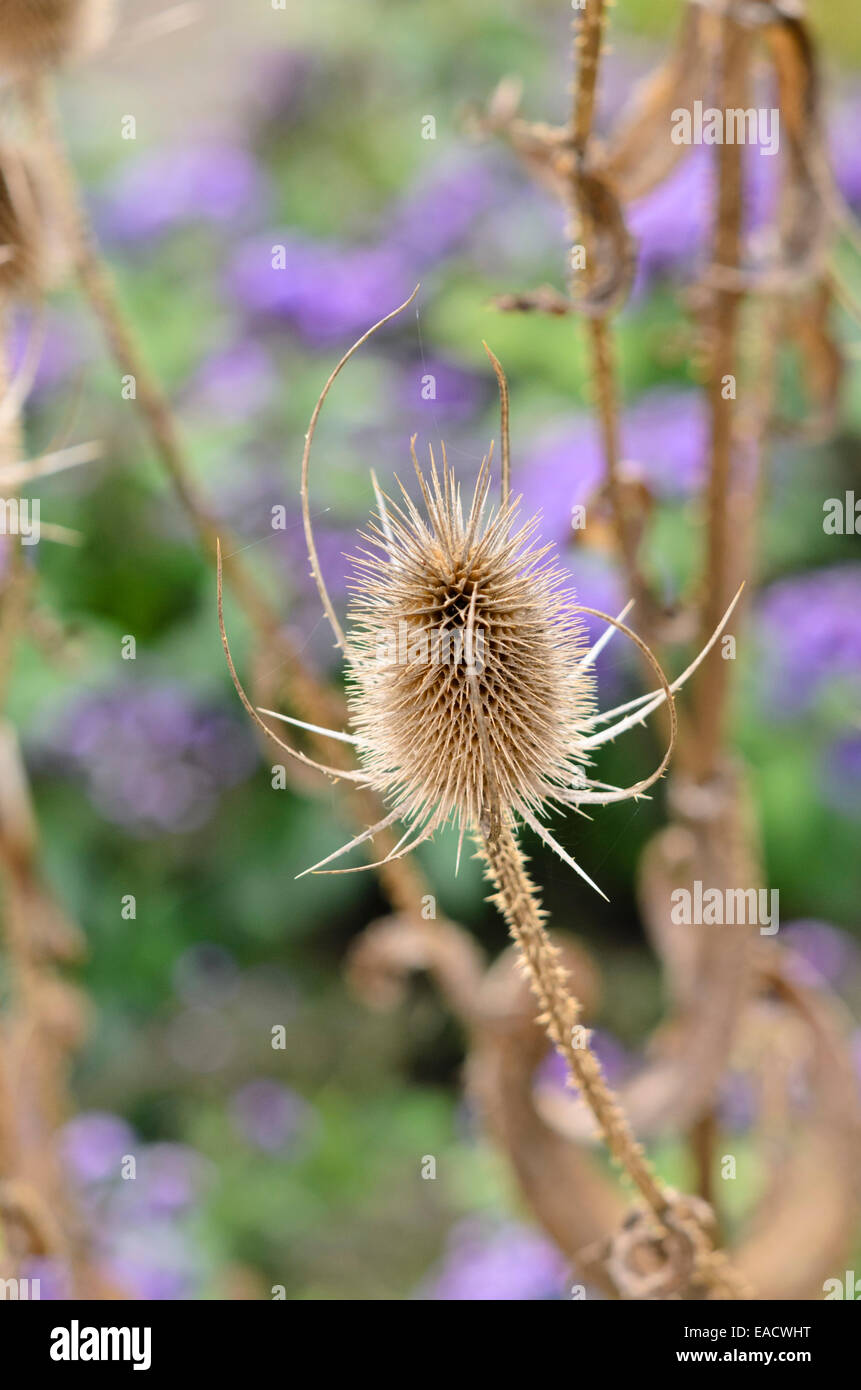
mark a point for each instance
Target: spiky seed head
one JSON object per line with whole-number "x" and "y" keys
{"x": 39, "y": 34}
{"x": 463, "y": 652}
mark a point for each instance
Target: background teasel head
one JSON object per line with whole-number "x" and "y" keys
{"x": 40, "y": 34}
{"x": 33, "y": 254}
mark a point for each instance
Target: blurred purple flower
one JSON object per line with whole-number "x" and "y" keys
{"x": 618, "y": 1063}
{"x": 513, "y": 1264}
{"x": 234, "y": 383}
{"x": 663, "y": 440}
{"x": 821, "y": 953}
{"x": 329, "y": 291}
{"x": 269, "y": 1115}
{"x": 210, "y": 183}
{"x": 841, "y": 774}
{"x": 671, "y": 222}
{"x": 133, "y": 1222}
{"x": 435, "y": 217}
{"x": 843, "y": 124}
{"x": 55, "y": 1279}
{"x": 326, "y": 291}
{"x": 153, "y": 759}
{"x": 94, "y": 1143}
{"x": 453, "y": 394}
{"x": 153, "y": 1262}
{"x": 810, "y": 630}
{"x": 169, "y": 1179}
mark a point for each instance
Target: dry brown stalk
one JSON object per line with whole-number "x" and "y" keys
{"x": 712, "y": 687}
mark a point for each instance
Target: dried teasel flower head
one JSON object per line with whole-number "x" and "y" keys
{"x": 470, "y": 685}
{"x": 36, "y": 35}
{"x": 33, "y": 252}
{"x": 461, "y": 649}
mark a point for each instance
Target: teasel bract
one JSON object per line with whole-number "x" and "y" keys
{"x": 471, "y": 695}
{"x": 37, "y": 35}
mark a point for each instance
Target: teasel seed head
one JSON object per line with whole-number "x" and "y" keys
{"x": 37, "y": 35}
{"x": 463, "y": 651}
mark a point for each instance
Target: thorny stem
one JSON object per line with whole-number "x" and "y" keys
{"x": 588, "y": 35}
{"x": 603, "y": 367}
{"x": 517, "y": 899}
{"x": 402, "y": 882}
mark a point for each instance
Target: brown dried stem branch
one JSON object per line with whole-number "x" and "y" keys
{"x": 588, "y": 36}
{"x": 712, "y": 686}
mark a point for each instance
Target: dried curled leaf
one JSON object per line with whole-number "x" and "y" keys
{"x": 611, "y": 251}
{"x": 640, "y": 154}
{"x": 802, "y": 1232}
{"x": 808, "y": 323}
{"x": 390, "y": 949}
{"x": 807, "y": 211}
{"x": 27, "y": 1224}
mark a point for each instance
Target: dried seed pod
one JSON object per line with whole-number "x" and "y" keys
{"x": 40, "y": 34}
{"x": 443, "y": 611}
{"x": 640, "y": 153}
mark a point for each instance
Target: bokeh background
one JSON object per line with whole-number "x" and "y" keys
{"x": 302, "y": 127}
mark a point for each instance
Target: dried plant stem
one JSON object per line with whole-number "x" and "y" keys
{"x": 712, "y": 687}
{"x": 517, "y": 899}
{"x": 33, "y": 1093}
{"x": 588, "y": 35}
{"x": 604, "y": 375}
{"x": 588, "y": 32}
